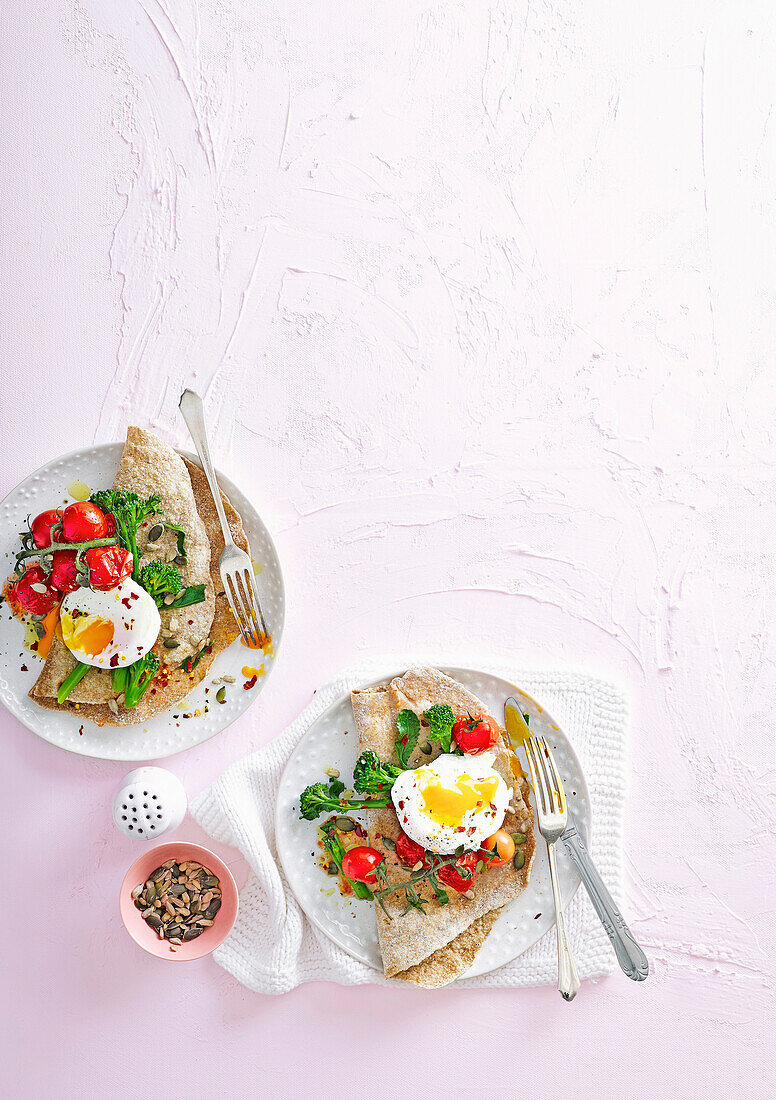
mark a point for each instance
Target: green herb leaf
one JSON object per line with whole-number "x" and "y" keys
{"x": 195, "y": 593}
{"x": 181, "y": 537}
{"x": 408, "y": 725}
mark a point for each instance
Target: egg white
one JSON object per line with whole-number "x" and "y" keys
{"x": 133, "y": 613}
{"x": 473, "y": 826}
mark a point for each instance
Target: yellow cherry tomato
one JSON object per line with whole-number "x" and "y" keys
{"x": 503, "y": 845}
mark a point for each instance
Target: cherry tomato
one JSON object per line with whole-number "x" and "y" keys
{"x": 108, "y": 566}
{"x": 35, "y": 592}
{"x": 64, "y": 575}
{"x": 359, "y": 864}
{"x": 83, "y": 521}
{"x": 451, "y": 873}
{"x": 110, "y": 519}
{"x": 503, "y": 845}
{"x": 476, "y": 735}
{"x": 41, "y": 527}
{"x": 409, "y": 853}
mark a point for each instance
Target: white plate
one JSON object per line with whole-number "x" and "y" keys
{"x": 165, "y": 734}
{"x": 332, "y": 741}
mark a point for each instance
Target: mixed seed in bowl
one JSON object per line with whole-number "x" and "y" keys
{"x": 179, "y": 901}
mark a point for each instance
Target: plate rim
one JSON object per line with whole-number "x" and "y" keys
{"x": 227, "y": 483}
{"x": 448, "y": 670}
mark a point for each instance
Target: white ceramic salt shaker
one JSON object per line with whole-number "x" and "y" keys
{"x": 149, "y": 802}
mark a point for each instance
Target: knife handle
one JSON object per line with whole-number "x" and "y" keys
{"x": 631, "y": 958}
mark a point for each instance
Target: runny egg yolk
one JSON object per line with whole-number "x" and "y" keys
{"x": 447, "y": 805}
{"x": 89, "y": 634}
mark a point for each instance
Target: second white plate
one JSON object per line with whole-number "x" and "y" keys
{"x": 332, "y": 741}
{"x": 167, "y": 733}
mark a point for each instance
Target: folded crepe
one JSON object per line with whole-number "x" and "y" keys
{"x": 150, "y": 466}
{"x": 434, "y": 948}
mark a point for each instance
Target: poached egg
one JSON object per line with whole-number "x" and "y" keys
{"x": 110, "y": 629}
{"x": 453, "y": 801}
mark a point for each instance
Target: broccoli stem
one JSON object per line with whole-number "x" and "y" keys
{"x": 337, "y": 851}
{"x": 69, "y": 683}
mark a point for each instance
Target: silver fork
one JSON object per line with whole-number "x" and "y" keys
{"x": 234, "y": 564}
{"x": 552, "y": 814}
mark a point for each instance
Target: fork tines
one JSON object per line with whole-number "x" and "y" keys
{"x": 547, "y": 782}
{"x": 246, "y": 606}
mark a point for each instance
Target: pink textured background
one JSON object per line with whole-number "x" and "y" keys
{"x": 480, "y": 297}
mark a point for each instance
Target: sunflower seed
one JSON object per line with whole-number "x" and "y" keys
{"x": 176, "y": 941}
{"x": 40, "y": 588}
{"x": 113, "y": 706}
{"x": 137, "y": 892}
{"x": 418, "y": 865}
{"x": 469, "y": 894}
{"x": 229, "y": 679}
{"x": 168, "y": 599}
{"x": 333, "y": 773}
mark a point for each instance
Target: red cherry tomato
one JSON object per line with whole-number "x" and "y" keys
{"x": 83, "y": 521}
{"x": 409, "y": 853}
{"x": 476, "y": 735}
{"x": 41, "y": 527}
{"x": 359, "y": 864}
{"x": 64, "y": 575}
{"x": 108, "y": 566}
{"x": 110, "y": 519}
{"x": 451, "y": 873}
{"x": 35, "y": 592}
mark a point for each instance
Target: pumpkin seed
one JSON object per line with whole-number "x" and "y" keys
{"x": 40, "y": 630}
{"x": 345, "y": 824}
{"x": 179, "y": 560}
{"x": 211, "y": 880}
{"x": 170, "y": 643}
{"x": 331, "y": 869}
{"x": 518, "y": 861}
{"x": 519, "y": 838}
{"x": 154, "y": 922}
{"x": 155, "y": 533}
{"x": 388, "y": 842}
{"x": 221, "y": 695}
{"x": 171, "y": 900}
{"x": 426, "y": 748}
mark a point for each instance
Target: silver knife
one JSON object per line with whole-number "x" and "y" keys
{"x": 629, "y": 955}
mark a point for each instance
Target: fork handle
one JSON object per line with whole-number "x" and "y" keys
{"x": 631, "y": 958}
{"x": 568, "y": 979}
{"x": 193, "y": 413}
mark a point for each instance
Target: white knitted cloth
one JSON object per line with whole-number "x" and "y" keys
{"x": 273, "y": 947}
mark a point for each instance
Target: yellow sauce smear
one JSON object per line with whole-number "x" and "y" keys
{"x": 79, "y": 490}
{"x": 447, "y": 805}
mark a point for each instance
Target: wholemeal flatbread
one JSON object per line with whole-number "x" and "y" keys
{"x": 435, "y": 948}
{"x": 185, "y": 494}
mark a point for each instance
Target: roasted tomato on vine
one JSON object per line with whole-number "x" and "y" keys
{"x": 108, "y": 566}
{"x": 64, "y": 575}
{"x": 409, "y": 853}
{"x": 83, "y": 521}
{"x": 476, "y": 735}
{"x": 359, "y": 864}
{"x": 41, "y": 527}
{"x": 462, "y": 874}
{"x": 35, "y": 592}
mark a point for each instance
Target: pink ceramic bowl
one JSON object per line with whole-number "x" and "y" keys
{"x": 145, "y": 936}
